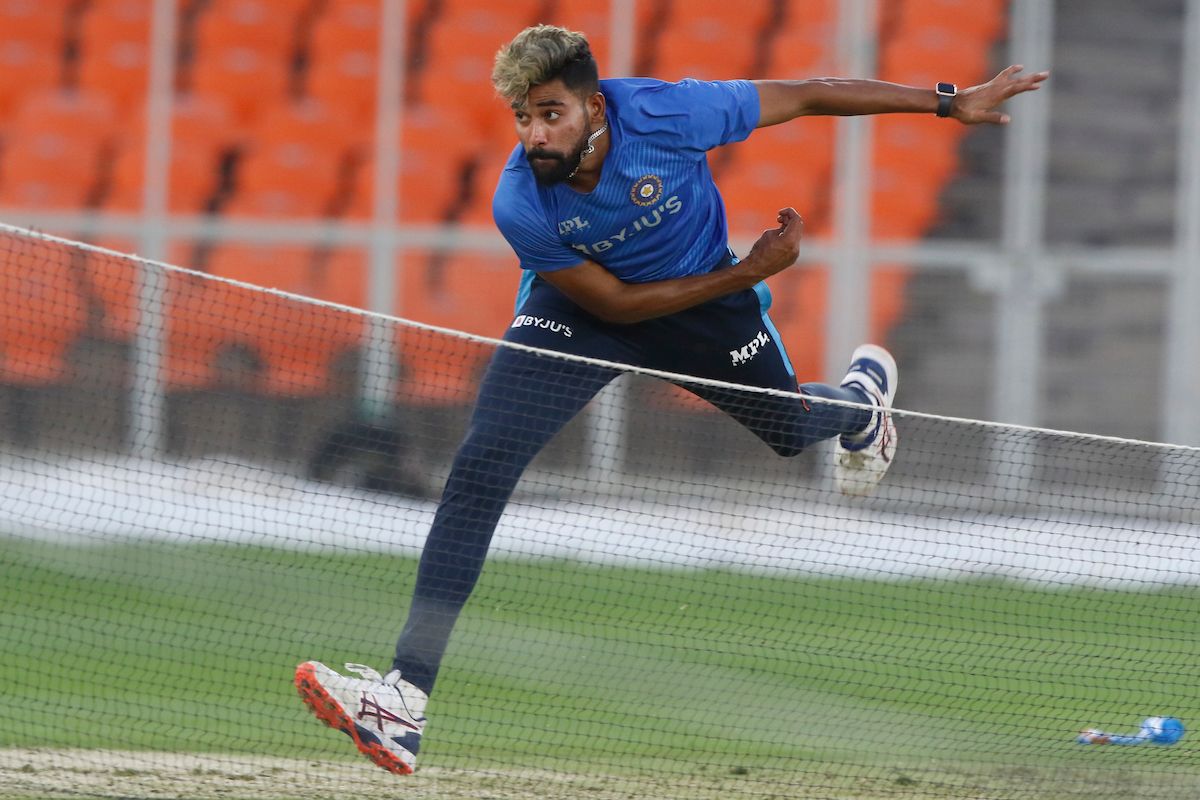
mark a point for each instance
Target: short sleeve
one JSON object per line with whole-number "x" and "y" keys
{"x": 702, "y": 115}
{"x": 525, "y": 228}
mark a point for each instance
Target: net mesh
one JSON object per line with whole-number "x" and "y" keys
{"x": 668, "y": 610}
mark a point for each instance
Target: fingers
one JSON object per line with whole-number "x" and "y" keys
{"x": 790, "y": 221}
{"x": 1024, "y": 83}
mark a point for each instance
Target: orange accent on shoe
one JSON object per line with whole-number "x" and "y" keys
{"x": 330, "y": 712}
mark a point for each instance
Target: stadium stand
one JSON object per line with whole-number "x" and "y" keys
{"x": 268, "y": 27}
{"x": 110, "y": 288}
{"x": 296, "y": 342}
{"x": 294, "y": 161}
{"x": 247, "y": 62}
{"x": 27, "y": 66}
{"x": 473, "y": 292}
{"x": 57, "y": 148}
{"x": 594, "y": 20}
{"x": 201, "y": 140}
{"x": 434, "y": 162}
{"x": 43, "y": 316}
{"x": 343, "y": 58}
{"x": 685, "y": 47}
{"x": 114, "y": 51}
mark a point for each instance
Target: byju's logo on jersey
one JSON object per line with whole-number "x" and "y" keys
{"x": 651, "y": 219}
{"x": 528, "y": 320}
{"x": 646, "y": 190}
{"x": 750, "y": 349}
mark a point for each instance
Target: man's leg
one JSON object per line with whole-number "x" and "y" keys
{"x": 733, "y": 340}
{"x": 524, "y": 400}
{"x": 789, "y": 425}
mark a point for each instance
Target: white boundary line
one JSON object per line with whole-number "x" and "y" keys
{"x": 668, "y": 376}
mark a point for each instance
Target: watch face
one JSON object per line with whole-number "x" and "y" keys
{"x": 947, "y": 88}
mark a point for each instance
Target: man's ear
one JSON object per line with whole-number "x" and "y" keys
{"x": 596, "y": 105}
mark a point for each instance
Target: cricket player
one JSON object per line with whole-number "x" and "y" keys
{"x": 609, "y": 205}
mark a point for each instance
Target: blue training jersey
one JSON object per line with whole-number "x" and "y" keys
{"x": 656, "y": 212}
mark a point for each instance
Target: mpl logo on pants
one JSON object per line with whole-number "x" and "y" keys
{"x": 750, "y": 349}
{"x": 528, "y": 320}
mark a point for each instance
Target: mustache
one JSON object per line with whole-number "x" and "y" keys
{"x": 539, "y": 153}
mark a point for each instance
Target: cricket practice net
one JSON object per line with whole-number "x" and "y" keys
{"x": 206, "y": 483}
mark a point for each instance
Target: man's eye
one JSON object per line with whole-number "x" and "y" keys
{"x": 552, "y": 115}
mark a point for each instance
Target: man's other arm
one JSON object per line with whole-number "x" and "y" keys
{"x": 607, "y": 297}
{"x": 781, "y": 101}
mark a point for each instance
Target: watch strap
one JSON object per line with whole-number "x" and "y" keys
{"x": 945, "y": 95}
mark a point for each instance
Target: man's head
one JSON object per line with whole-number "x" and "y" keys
{"x": 549, "y": 77}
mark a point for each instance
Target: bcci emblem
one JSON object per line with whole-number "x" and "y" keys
{"x": 647, "y": 190}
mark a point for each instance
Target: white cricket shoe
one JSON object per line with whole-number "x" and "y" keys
{"x": 384, "y": 715}
{"x": 863, "y": 458}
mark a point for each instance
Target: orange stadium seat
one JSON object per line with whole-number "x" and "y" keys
{"x": 294, "y": 160}
{"x": 462, "y": 46}
{"x": 594, "y": 21}
{"x": 805, "y": 46}
{"x": 489, "y": 165}
{"x": 34, "y": 20}
{"x": 471, "y": 292}
{"x": 114, "y": 283}
{"x": 26, "y": 67}
{"x": 922, "y": 57}
{"x": 979, "y": 20}
{"x": 43, "y": 314}
{"x": 115, "y": 50}
{"x": 903, "y": 202}
{"x": 56, "y": 148}
{"x": 268, "y": 27}
{"x": 241, "y": 77}
{"x": 344, "y": 58}
{"x": 779, "y": 166}
{"x": 201, "y": 134}
{"x": 677, "y": 58}
{"x": 201, "y": 315}
{"x": 926, "y": 143}
{"x": 297, "y": 341}
{"x": 433, "y": 154}
{"x": 696, "y": 42}
{"x": 192, "y": 183}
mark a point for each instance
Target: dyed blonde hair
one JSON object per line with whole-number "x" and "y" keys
{"x": 541, "y": 54}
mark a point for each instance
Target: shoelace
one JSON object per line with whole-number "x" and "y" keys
{"x": 391, "y": 679}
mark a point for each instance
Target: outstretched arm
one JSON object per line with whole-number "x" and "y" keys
{"x": 781, "y": 101}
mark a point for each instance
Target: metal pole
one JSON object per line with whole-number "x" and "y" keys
{"x": 1181, "y": 370}
{"x": 1016, "y": 386}
{"x": 608, "y": 416}
{"x": 147, "y": 403}
{"x": 1022, "y": 278}
{"x": 850, "y": 273}
{"x": 379, "y": 367}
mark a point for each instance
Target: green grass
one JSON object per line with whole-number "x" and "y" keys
{"x": 687, "y": 675}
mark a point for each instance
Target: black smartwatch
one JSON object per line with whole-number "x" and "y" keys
{"x": 945, "y": 95}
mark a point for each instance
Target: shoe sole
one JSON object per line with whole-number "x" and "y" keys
{"x": 330, "y": 711}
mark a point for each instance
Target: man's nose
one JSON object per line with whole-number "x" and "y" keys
{"x": 538, "y": 134}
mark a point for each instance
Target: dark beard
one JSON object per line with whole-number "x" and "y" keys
{"x": 559, "y": 167}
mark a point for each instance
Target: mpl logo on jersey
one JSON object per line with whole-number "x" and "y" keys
{"x": 566, "y": 226}
{"x": 530, "y": 321}
{"x": 750, "y": 349}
